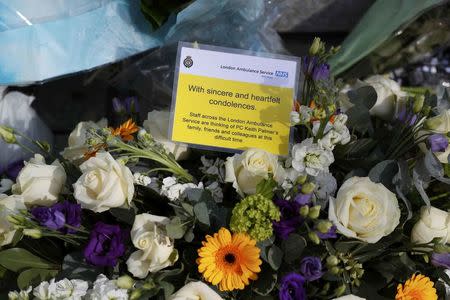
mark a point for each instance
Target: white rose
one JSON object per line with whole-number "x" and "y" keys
{"x": 39, "y": 183}
{"x": 8, "y": 205}
{"x": 433, "y": 223}
{"x": 157, "y": 124}
{"x": 196, "y": 290}
{"x": 364, "y": 210}
{"x": 311, "y": 158}
{"x": 349, "y": 297}
{"x": 388, "y": 92}
{"x": 249, "y": 168}
{"x": 77, "y": 145}
{"x": 156, "y": 249}
{"x": 105, "y": 183}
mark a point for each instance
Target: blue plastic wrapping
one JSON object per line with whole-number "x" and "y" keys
{"x": 45, "y": 39}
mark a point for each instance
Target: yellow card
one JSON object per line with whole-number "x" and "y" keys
{"x": 233, "y": 99}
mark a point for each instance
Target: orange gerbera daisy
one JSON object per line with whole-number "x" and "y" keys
{"x": 126, "y": 130}
{"x": 418, "y": 287}
{"x": 229, "y": 260}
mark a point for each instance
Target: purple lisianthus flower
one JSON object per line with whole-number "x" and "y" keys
{"x": 320, "y": 72}
{"x": 303, "y": 199}
{"x": 106, "y": 244}
{"x": 311, "y": 268}
{"x": 406, "y": 116}
{"x": 438, "y": 142}
{"x": 331, "y": 234}
{"x": 292, "y": 287}
{"x": 49, "y": 217}
{"x": 129, "y": 105}
{"x": 308, "y": 63}
{"x": 441, "y": 260}
{"x": 13, "y": 169}
{"x": 72, "y": 213}
{"x": 290, "y": 218}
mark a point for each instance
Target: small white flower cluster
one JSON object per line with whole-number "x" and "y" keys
{"x": 75, "y": 289}
{"x": 313, "y": 158}
{"x": 303, "y": 116}
{"x": 141, "y": 179}
{"x": 174, "y": 190}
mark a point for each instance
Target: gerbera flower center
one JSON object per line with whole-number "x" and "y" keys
{"x": 230, "y": 258}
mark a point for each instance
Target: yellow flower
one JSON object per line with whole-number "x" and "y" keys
{"x": 229, "y": 260}
{"x": 126, "y": 130}
{"x": 418, "y": 287}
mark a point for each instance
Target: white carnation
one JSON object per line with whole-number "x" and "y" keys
{"x": 105, "y": 289}
{"x": 61, "y": 290}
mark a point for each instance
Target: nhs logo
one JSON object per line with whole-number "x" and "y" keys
{"x": 281, "y": 74}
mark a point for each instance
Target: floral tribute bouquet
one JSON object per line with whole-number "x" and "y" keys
{"x": 358, "y": 210}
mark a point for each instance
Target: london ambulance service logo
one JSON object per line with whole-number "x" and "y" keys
{"x": 188, "y": 62}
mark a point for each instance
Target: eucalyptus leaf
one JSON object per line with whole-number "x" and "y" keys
{"x": 175, "y": 229}
{"x": 293, "y": 247}
{"x": 267, "y": 279}
{"x": 201, "y": 212}
{"x": 167, "y": 287}
{"x": 275, "y": 257}
{"x": 124, "y": 215}
{"x": 32, "y": 277}
{"x": 384, "y": 173}
{"x": 75, "y": 267}
{"x": 16, "y": 259}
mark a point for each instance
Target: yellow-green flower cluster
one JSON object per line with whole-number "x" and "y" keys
{"x": 254, "y": 215}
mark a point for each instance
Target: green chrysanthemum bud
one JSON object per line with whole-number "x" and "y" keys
{"x": 314, "y": 237}
{"x": 33, "y": 233}
{"x": 339, "y": 291}
{"x": 334, "y": 270}
{"x": 314, "y": 212}
{"x": 7, "y": 134}
{"x": 304, "y": 211}
{"x": 332, "y": 261}
{"x": 125, "y": 282}
{"x": 316, "y": 46}
{"x": 418, "y": 103}
{"x": 136, "y": 294}
{"x": 15, "y": 219}
{"x": 308, "y": 188}
{"x": 302, "y": 179}
{"x": 254, "y": 215}
{"x": 323, "y": 226}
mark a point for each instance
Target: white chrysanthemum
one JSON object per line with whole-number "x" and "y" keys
{"x": 22, "y": 295}
{"x": 105, "y": 289}
{"x": 295, "y": 118}
{"x": 311, "y": 158}
{"x": 64, "y": 289}
{"x": 305, "y": 114}
{"x": 141, "y": 179}
{"x": 173, "y": 190}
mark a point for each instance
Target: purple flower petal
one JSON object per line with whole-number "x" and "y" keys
{"x": 292, "y": 287}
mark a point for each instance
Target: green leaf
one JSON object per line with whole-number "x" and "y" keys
{"x": 188, "y": 208}
{"x": 175, "y": 229}
{"x": 384, "y": 172}
{"x": 75, "y": 267}
{"x": 15, "y": 259}
{"x": 363, "y": 99}
{"x": 201, "y": 212}
{"x": 265, "y": 187}
{"x": 267, "y": 279}
{"x": 293, "y": 247}
{"x": 168, "y": 288}
{"x": 382, "y": 19}
{"x": 124, "y": 215}
{"x": 34, "y": 277}
{"x": 275, "y": 257}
